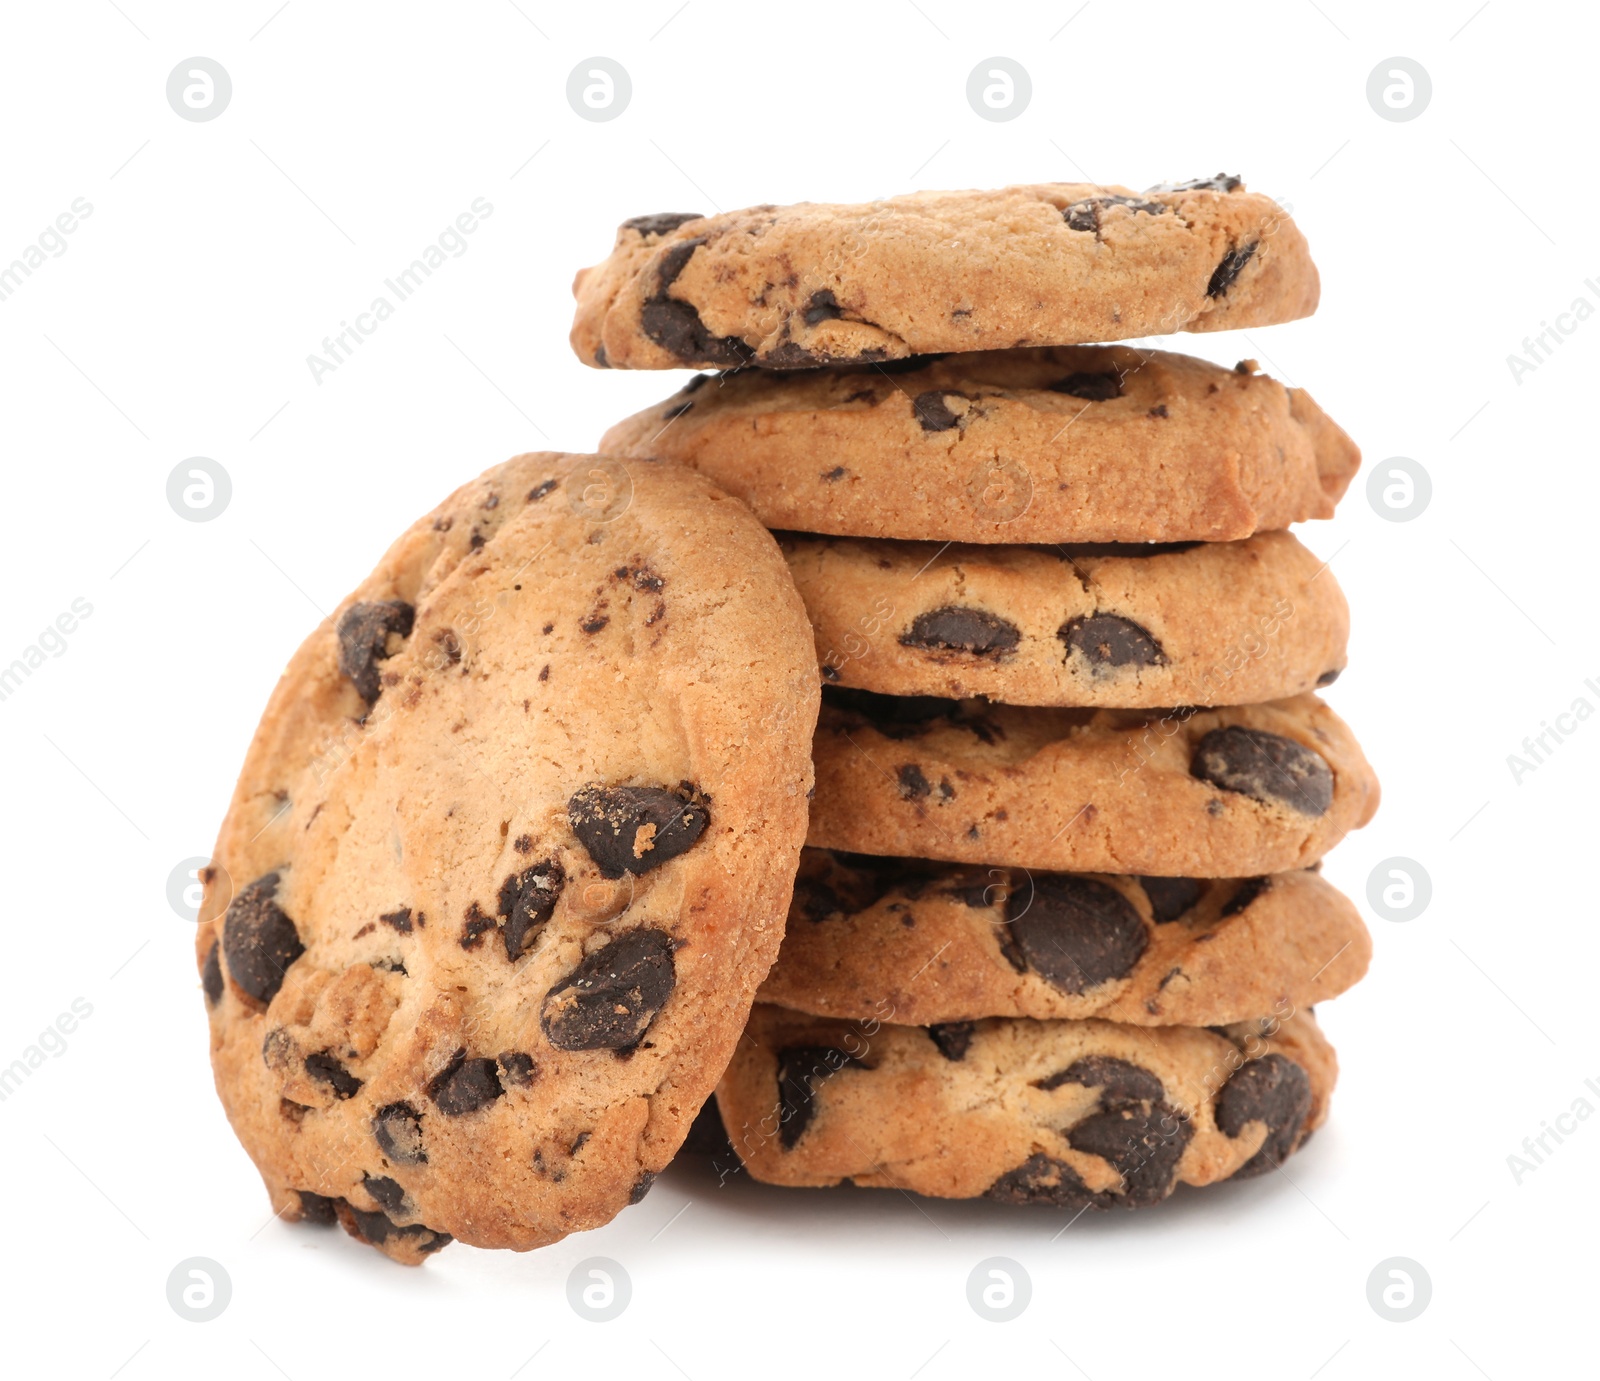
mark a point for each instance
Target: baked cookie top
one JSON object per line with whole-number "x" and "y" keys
{"x": 1069, "y": 1114}
{"x": 1060, "y": 263}
{"x": 1229, "y": 792}
{"x": 508, "y": 856}
{"x": 1213, "y": 623}
{"x": 1055, "y": 444}
{"x": 921, "y": 944}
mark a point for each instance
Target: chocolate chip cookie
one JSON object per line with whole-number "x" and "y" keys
{"x": 798, "y": 287}
{"x": 923, "y": 944}
{"x": 1071, "y": 1114}
{"x": 1232, "y": 792}
{"x": 1075, "y": 444}
{"x": 1214, "y": 623}
{"x": 508, "y": 857}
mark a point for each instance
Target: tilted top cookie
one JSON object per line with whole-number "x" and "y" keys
{"x": 1059, "y": 263}
{"x": 509, "y": 854}
{"x": 1062, "y": 444}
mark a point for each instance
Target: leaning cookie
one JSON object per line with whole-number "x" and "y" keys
{"x": 509, "y": 854}
{"x": 1230, "y": 792}
{"x": 1220, "y": 623}
{"x": 1064, "y": 263}
{"x": 929, "y": 944}
{"x": 1071, "y": 1114}
{"x": 1071, "y": 444}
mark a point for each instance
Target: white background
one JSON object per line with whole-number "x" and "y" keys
{"x": 177, "y": 323}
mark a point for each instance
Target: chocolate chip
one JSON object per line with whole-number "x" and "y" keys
{"x": 375, "y": 1229}
{"x": 823, "y": 306}
{"x": 956, "y": 628}
{"x": 1087, "y": 214}
{"x": 707, "y": 1136}
{"x": 931, "y": 411}
{"x": 673, "y": 261}
{"x": 1232, "y": 265}
{"x": 610, "y": 999}
{"x": 1109, "y": 640}
{"x": 326, "y": 1069}
{"x": 1093, "y": 388}
{"x": 211, "y": 976}
{"x": 474, "y": 926}
{"x": 1042, "y": 1179}
{"x": 801, "y": 1069}
{"x": 398, "y": 920}
{"x": 540, "y": 490}
{"x": 397, "y": 1128}
{"x": 1274, "y": 1090}
{"x": 449, "y": 645}
{"x": 913, "y": 785}
{"x": 464, "y": 1085}
{"x": 675, "y": 325}
{"x": 1247, "y": 892}
{"x": 632, "y": 829}
{"x": 386, "y": 1191}
{"x": 1170, "y": 897}
{"x": 1144, "y": 1146}
{"x": 1074, "y": 932}
{"x": 527, "y": 900}
{"x": 1119, "y": 1081}
{"x": 364, "y": 632}
{"x": 278, "y": 1049}
{"x": 517, "y": 1068}
{"x": 316, "y": 1208}
{"x": 952, "y": 1038}
{"x": 641, "y": 1186}
{"x": 258, "y": 940}
{"x": 661, "y": 223}
{"x": 1222, "y": 182}
{"x": 1328, "y": 677}
{"x": 837, "y": 473}
{"x": 641, "y": 577}
{"x": 1265, "y": 767}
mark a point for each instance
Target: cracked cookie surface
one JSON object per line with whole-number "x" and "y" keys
{"x": 810, "y": 285}
{"x": 508, "y": 856}
{"x": 1063, "y": 444}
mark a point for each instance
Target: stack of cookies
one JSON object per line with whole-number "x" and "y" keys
{"x": 1058, "y": 928}
{"x": 519, "y": 868}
